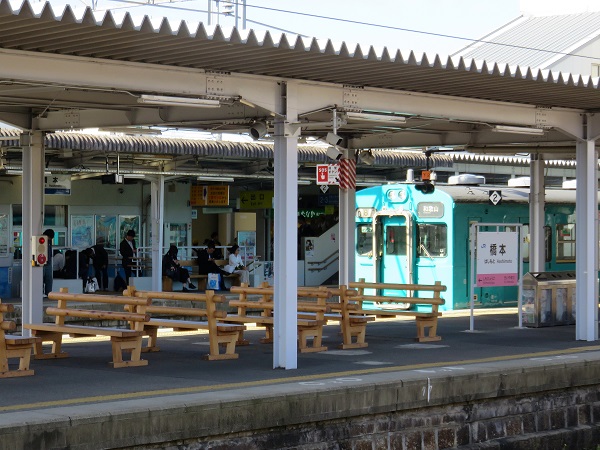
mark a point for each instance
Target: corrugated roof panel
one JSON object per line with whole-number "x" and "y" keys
{"x": 536, "y": 40}
{"x": 117, "y": 37}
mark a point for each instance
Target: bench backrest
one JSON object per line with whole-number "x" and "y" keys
{"x": 265, "y": 301}
{"x": 209, "y": 298}
{"x": 63, "y": 297}
{"x": 435, "y": 300}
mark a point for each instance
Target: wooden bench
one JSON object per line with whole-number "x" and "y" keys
{"x": 426, "y": 321}
{"x": 123, "y": 340}
{"x": 353, "y": 324}
{"x": 219, "y": 333}
{"x": 307, "y": 327}
{"x": 199, "y": 279}
{"x": 12, "y": 346}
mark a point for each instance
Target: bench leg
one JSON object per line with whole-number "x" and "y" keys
{"x": 304, "y": 333}
{"x": 21, "y": 351}
{"x": 133, "y": 345}
{"x": 152, "y": 345}
{"x": 48, "y": 336}
{"x": 358, "y": 330}
{"x": 268, "y": 339}
{"x": 228, "y": 339}
{"x": 241, "y": 340}
{"x": 422, "y": 324}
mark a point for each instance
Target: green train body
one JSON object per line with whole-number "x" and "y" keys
{"x": 406, "y": 236}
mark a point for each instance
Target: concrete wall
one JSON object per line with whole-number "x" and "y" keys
{"x": 550, "y": 404}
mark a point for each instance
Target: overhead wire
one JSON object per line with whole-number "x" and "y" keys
{"x": 354, "y": 22}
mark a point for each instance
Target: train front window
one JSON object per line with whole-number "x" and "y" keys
{"x": 395, "y": 240}
{"x": 565, "y": 242}
{"x": 432, "y": 239}
{"x": 364, "y": 240}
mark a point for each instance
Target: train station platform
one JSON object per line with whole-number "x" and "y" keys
{"x": 497, "y": 384}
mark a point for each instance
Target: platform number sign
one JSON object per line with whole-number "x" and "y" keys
{"x": 495, "y": 197}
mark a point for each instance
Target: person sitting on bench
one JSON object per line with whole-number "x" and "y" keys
{"x": 173, "y": 270}
{"x": 236, "y": 264}
{"x": 206, "y": 264}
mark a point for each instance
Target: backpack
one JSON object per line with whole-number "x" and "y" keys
{"x": 120, "y": 283}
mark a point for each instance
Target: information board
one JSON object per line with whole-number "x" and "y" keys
{"x": 209, "y": 196}
{"x": 497, "y": 259}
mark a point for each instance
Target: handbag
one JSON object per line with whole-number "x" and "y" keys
{"x": 91, "y": 286}
{"x": 172, "y": 272}
{"x": 213, "y": 281}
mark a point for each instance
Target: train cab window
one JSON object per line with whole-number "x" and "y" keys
{"x": 395, "y": 240}
{"x": 432, "y": 240}
{"x": 364, "y": 240}
{"x": 565, "y": 242}
{"x": 547, "y": 243}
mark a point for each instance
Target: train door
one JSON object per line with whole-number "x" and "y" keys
{"x": 395, "y": 249}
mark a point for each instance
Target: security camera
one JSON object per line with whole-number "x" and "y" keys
{"x": 334, "y": 153}
{"x": 258, "y": 130}
{"x": 334, "y": 139}
{"x": 367, "y": 157}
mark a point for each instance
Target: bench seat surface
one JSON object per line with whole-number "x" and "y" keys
{"x": 87, "y": 330}
{"x": 195, "y": 325}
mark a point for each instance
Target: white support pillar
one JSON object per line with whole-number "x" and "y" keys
{"x": 586, "y": 234}
{"x": 537, "y": 200}
{"x": 285, "y": 353}
{"x": 157, "y": 199}
{"x": 33, "y": 222}
{"x": 347, "y": 235}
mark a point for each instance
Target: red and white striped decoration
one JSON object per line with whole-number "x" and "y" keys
{"x": 348, "y": 173}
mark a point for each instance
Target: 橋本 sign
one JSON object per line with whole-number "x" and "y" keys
{"x": 497, "y": 259}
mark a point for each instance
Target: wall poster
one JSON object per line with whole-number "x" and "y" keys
{"x": 4, "y": 234}
{"x": 127, "y": 223}
{"x": 106, "y": 231}
{"x": 82, "y": 231}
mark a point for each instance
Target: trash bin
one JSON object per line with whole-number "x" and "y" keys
{"x": 548, "y": 299}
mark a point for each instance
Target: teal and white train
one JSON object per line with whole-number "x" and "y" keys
{"x": 406, "y": 236}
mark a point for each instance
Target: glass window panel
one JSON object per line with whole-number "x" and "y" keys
{"x": 395, "y": 240}
{"x": 432, "y": 240}
{"x": 364, "y": 240}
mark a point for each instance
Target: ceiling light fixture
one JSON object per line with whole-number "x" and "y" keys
{"x": 189, "y": 102}
{"x": 134, "y": 175}
{"x": 376, "y": 117}
{"x": 518, "y": 130}
{"x": 304, "y": 182}
{"x": 215, "y": 178}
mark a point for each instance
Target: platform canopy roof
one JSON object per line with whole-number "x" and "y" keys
{"x": 72, "y": 69}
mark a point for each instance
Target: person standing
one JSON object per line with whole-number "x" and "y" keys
{"x": 48, "y": 269}
{"x": 100, "y": 262}
{"x": 214, "y": 238}
{"x": 128, "y": 251}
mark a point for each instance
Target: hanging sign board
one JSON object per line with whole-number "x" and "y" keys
{"x": 328, "y": 174}
{"x": 209, "y": 196}
{"x": 256, "y": 199}
{"x": 497, "y": 259}
{"x": 57, "y": 184}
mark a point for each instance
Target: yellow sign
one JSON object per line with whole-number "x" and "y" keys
{"x": 256, "y": 200}
{"x": 209, "y": 196}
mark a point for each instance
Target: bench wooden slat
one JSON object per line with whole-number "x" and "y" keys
{"x": 398, "y": 287}
{"x": 91, "y": 298}
{"x": 98, "y": 315}
{"x": 411, "y": 300}
{"x": 83, "y": 330}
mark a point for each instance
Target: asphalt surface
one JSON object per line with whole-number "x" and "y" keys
{"x": 86, "y": 378}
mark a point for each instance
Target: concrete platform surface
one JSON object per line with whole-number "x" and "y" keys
{"x": 85, "y": 386}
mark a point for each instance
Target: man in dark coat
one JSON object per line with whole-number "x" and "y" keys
{"x": 206, "y": 264}
{"x": 100, "y": 262}
{"x": 128, "y": 250}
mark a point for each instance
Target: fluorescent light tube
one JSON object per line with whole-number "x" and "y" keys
{"x": 518, "y": 130}
{"x": 304, "y": 182}
{"x": 376, "y": 117}
{"x": 162, "y": 100}
{"x": 215, "y": 179}
{"x": 134, "y": 175}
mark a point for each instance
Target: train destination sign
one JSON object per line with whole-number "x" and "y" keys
{"x": 497, "y": 259}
